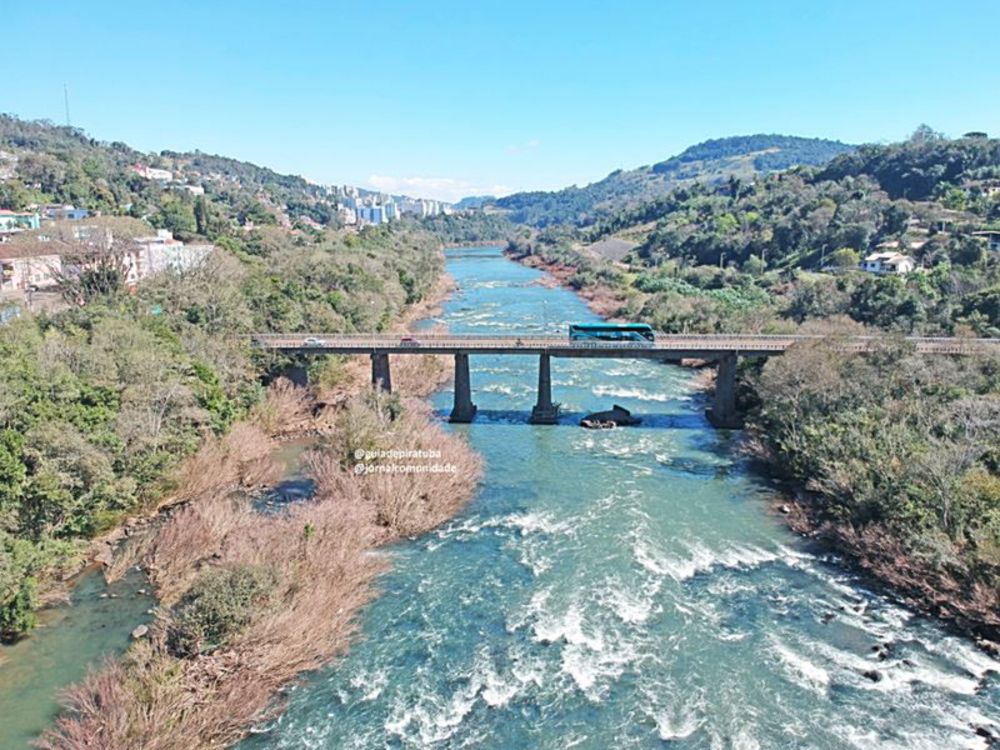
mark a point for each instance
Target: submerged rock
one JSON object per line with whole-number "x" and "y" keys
{"x": 616, "y": 416}
{"x": 884, "y": 650}
{"x": 989, "y": 733}
{"x": 105, "y": 556}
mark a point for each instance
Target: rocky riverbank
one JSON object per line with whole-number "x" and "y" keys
{"x": 972, "y": 611}
{"x": 602, "y": 300}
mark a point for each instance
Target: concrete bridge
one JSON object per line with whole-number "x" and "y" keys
{"x": 722, "y": 350}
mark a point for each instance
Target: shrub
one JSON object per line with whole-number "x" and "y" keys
{"x": 845, "y": 257}
{"x": 17, "y": 615}
{"x": 364, "y": 424}
{"x": 218, "y": 606}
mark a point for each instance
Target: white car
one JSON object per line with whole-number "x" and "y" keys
{"x": 313, "y": 341}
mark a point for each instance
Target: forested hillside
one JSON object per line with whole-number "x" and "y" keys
{"x": 747, "y": 254}
{"x": 473, "y": 226}
{"x": 44, "y": 163}
{"x": 926, "y": 167}
{"x": 709, "y": 162}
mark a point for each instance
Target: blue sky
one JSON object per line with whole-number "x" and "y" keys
{"x": 452, "y": 98}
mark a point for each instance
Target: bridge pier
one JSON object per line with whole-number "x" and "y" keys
{"x": 380, "y": 371}
{"x": 464, "y": 410}
{"x": 544, "y": 411}
{"x": 722, "y": 412}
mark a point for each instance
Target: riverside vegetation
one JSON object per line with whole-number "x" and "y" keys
{"x": 152, "y": 400}
{"x": 897, "y": 455}
{"x": 249, "y": 601}
{"x": 99, "y": 404}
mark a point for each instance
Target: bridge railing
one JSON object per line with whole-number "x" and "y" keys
{"x": 665, "y": 342}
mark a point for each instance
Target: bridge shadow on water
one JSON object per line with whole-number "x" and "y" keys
{"x": 656, "y": 421}
{"x": 708, "y": 453}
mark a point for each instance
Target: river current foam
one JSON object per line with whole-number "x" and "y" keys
{"x": 623, "y": 589}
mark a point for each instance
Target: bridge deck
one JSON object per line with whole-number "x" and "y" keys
{"x": 666, "y": 347}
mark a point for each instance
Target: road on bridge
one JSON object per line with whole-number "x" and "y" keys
{"x": 672, "y": 346}
{"x": 723, "y": 350}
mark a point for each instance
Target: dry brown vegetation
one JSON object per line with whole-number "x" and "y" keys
{"x": 321, "y": 555}
{"x": 413, "y": 375}
{"x": 284, "y": 409}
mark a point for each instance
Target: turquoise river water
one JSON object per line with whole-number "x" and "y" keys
{"x": 623, "y": 588}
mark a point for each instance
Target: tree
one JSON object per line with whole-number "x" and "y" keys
{"x": 925, "y": 134}
{"x": 894, "y": 219}
{"x": 17, "y": 587}
{"x": 754, "y": 265}
{"x": 845, "y": 257}
{"x": 13, "y": 474}
{"x": 885, "y": 301}
{"x": 954, "y": 198}
{"x": 89, "y": 273}
{"x": 177, "y": 216}
{"x": 969, "y": 252}
{"x": 201, "y": 215}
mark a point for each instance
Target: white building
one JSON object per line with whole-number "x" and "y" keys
{"x": 428, "y": 208}
{"x": 347, "y": 216}
{"x": 162, "y": 252}
{"x": 152, "y": 173}
{"x": 888, "y": 263}
{"x": 193, "y": 189}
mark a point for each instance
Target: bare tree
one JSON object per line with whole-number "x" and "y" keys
{"x": 98, "y": 258}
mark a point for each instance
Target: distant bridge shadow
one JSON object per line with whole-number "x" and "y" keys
{"x": 656, "y": 421}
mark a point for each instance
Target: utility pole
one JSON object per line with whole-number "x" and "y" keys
{"x": 66, "y": 101}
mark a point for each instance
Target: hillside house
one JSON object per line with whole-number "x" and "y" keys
{"x": 161, "y": 252}
{"x": 25, "y": 266}
{"x": 18, "y": 221}
{"x": 889, "y": 263}
{"x": 65, "y": 213}
{"x": 991, "y": 236}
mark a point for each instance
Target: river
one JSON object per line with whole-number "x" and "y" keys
{"x": 611, "y": 589}
{"x": 67, "y": 642}
{"x": 624, "y": 588}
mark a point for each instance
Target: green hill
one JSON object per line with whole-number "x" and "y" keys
{"x": 45, "y": 163}
{"x": 712, "y": 161}
{"x": 691, "y": 258}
